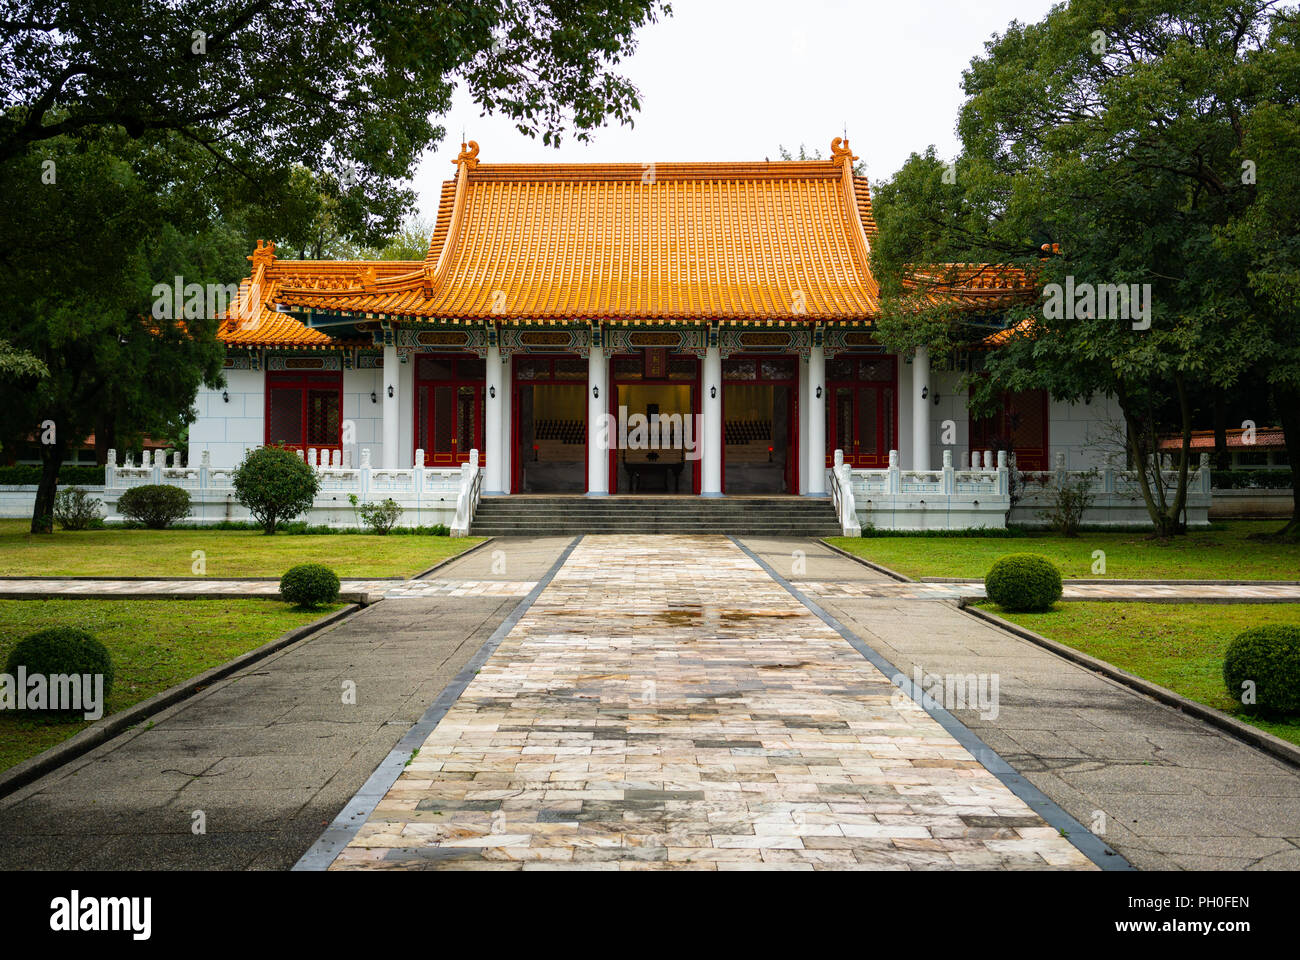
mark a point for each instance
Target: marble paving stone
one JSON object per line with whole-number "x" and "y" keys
{"x": 666, "y": 704}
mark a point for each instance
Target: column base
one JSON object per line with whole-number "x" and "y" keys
{"x": 712, "y": 494}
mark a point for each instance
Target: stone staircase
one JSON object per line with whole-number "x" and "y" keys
{"x": 531, "y": 516}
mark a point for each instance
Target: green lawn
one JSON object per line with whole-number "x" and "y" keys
{"x": 1179, "y": 646}
{"x": 227, "y": 553}
{"x": 155, "y": 644}
{"x": 1223, "y": 553}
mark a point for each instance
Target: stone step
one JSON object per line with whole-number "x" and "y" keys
{"x": 564, "y": 516}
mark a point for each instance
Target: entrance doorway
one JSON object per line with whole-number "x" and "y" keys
{"x": 759, "y": 417}
{"x": 550, "y": 424}
{"x": 655, "y": 405}
{"x": 449, "y": 408}
{"x": 1019, "y": 426}
{"x": 862, "y": 409}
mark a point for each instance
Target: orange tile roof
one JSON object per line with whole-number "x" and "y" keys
{"x": 253, "y": 321}
{"x": 691, "y": 241}
{"x": 748, "y": 243}
{"x": 1266, "y": 438}
{"x": 972, "y": 286}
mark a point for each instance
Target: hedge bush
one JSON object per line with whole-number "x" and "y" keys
{"x": 1251, "y": 479}
{"x": 1270, "y": 658}
{"x": 62, "y": 650}
{"x": 1024, "y": 583}
{"x": 75, "y": 509}
{"x": 29, "y": 474}
{"x": 309, "y": 585}
{"x": 275, "y": 484}
{"x": 155, "y": 505}
{"x": 380, "y": 517}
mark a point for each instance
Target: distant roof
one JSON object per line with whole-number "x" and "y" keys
{"x": 1266, "y": 438}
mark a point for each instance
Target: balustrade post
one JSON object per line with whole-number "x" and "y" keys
{"x": 205, "y": 467}
{"x": 365, "y": 473}
{"x": 110, "y": 469}
{"x": 949, "y": 478}
{"x": 1004, "y": 475}
{"x": 895, "y": 480}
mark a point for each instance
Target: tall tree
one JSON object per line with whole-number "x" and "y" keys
{"x": 146, "y": 139}
{"x": 1101, "y": 148}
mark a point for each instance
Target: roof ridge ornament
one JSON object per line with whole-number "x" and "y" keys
{"x": 468, "y": 155}
{"x": 840, "y": 152}
{"x": 264, "y": 255}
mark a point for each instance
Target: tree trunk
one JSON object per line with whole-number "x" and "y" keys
{"x": 105, "y": 437}
{"x": 43, "y": 510}
{"x": 1222, "y": 458}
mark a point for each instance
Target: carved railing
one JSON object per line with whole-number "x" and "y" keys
{"x": 467, "y": 499}
{"x": 842, "y": 496}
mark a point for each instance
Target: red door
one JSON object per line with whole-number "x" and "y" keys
{"x": 449, "y": 409}
{"x": 861, "y": 409}
{"x": 304, "y": 410}
{"x": 1020, "y": 426}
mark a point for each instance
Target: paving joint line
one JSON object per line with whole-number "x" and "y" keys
{"x": 357, "y": 811}
{"x": 1084, "y": 840}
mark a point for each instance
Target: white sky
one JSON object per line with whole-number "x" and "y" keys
{"x": 733, "y": 79}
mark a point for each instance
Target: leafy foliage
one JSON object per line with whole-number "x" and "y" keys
{"x": 75, "y": 509}
{"x": 156, "y": 505}
{"x": 1071, "y": 498}
{"x": 275, "y": 484}
{"x": 1269, "y": 658}
{"x": 380, "y": 517}
{"x": 1024, "y": 582}
{"x": 1108, "y": 144}
{"x": 62, "y": 650}
{"x": 309, "y": 585}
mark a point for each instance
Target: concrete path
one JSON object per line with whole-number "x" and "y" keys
{"x": 1164, "y": 789}
{"x": 665, "y": 703}
{"x": 267, "y": 758}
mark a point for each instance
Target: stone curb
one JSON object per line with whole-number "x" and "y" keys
{"x": 892, "y": 574}
{"x": 106, "y": 728}
{"x": 1254, "y": 736}
{"x": 442, "y": 563}
{"x": 356, "y": 597}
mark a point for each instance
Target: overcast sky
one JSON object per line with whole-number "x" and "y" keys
{"x": 733, "y": 79}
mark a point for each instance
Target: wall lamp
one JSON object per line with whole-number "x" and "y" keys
{"x": 373, "y": 397}
{"x": 225, "y": 396}
{"x": 819, "y": 393}
{"x": 925, "y": 392}
{"x": 390, "y": 389}
{"x": 713, "y": 393}
{"x": 595, "y": 392}
{"x": 492, "y": 392}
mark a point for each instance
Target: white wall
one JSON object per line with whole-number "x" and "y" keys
{"x": 1087, "y": 433}
{"x": 225, "y": 429}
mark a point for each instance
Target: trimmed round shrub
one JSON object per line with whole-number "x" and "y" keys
{"x": 275, "y": 484}
{"x": 309, "y": 585}
{"x": 1268, "y": 658}
{"x": 155, "y": 505}
{"x": 1024, "y": 583}
{"x": 62, "y": 650}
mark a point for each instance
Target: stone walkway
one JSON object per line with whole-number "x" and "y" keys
{"x": 666, "y": 704}
{"x": 444, "y": 587}
{"x": 1118, "y": 592}
{"x": 396, "y": 588}
{"x": 271, "y": 754}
